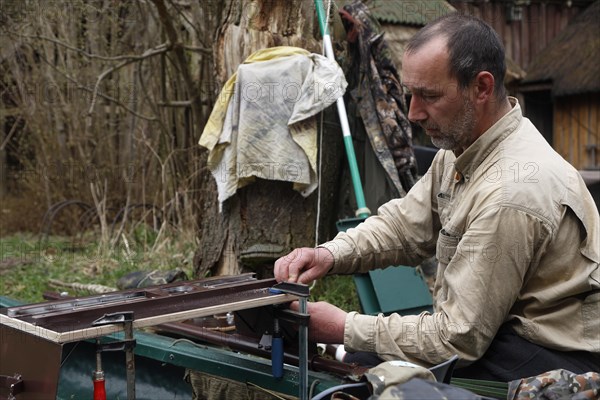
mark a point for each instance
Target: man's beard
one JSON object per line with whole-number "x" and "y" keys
{"x": 457, "y": 134}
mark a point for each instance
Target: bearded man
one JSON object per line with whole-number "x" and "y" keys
{"x": 513, "y": 227}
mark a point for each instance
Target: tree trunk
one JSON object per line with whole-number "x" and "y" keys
{"x": 266, "y": 219}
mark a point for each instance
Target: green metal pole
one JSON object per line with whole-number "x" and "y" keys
{"x": 362, "y": 211}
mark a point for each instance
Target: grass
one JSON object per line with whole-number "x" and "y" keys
{"x": 338, "y": 290}
{"x": 27, "y": 265}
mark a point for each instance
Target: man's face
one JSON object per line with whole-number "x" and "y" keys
{"x": 438, "y": 104}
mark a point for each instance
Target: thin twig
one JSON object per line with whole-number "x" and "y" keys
{"x": 190, "y": 23}
{"x": 104, "y": 96}
{"x": 148, "y": 53}
{"x": 100, "y": 204}
{"x": 178, "y": 51}
{"x": 150, "y": 101}
{"x": 13, "y": 129}
{"x": 163, "y": 46}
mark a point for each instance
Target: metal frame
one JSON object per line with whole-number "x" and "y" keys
{"x": 64, "y": 321}
{"x": 38, "y": 330}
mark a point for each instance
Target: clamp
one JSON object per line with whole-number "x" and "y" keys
{"x": 13, "y": 384}
{"x": 124, "y": 318}
{"x": 302, "y": 291}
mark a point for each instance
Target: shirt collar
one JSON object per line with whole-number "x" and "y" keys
{"x": 476, "y": 153}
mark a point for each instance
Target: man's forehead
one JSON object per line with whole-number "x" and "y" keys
{"x": 426, "y": 67}
{"x": 430, "y": 80}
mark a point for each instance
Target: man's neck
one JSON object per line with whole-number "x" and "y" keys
{"x": 488, "y": 117}
{"x": 492, "y": 113}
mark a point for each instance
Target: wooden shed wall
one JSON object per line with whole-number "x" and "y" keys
{"x": 541, "y": 21}
{"x": 577, "y": 129}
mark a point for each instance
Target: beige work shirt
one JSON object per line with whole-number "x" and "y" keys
{"x": 516, "y": 234}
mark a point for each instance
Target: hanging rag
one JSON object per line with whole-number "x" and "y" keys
{"x": 263, "y": 124}
{"x": 379, "y": 96}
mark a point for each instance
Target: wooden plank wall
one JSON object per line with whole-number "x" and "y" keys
{"x": 541, "y": 21}
{"x": 576, "y": 128}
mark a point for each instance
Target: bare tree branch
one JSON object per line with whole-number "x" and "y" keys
{"x": 204, "y": 50}
{"x": 171, "y": 33}
{"x": 148, "y": 53}
{"x": 13, "y": 129}
{"x": 190, "y": 23}
{"x": 133, "y": 57}
{"x": 67, "y": 74}
{"x": 104, "y": 96}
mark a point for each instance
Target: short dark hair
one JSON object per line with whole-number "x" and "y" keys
{"x": 473, "y": 46}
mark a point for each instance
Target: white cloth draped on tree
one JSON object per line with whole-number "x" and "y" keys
{"x": 263, "y": 124}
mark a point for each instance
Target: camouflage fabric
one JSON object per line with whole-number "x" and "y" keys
{"x": 556, "y": 384}
{"x": 213, "y": 387}
{"x": 379, "y": 96}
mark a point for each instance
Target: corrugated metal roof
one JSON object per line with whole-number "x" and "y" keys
{"x": 408, "y": 12}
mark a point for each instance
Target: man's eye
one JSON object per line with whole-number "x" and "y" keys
{"x": 430, "y": 97}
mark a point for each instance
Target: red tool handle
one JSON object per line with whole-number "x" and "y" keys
{"x": 99, "y": 390}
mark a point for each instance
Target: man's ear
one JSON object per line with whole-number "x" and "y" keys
{"x": 483, "y": 87}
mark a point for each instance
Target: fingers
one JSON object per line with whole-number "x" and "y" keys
{"x": 280, "y": 269}
{"x": 308, "y": 276}
{"x": 322, "y": 261}
{"x": 289, "y": 267}
{"x": 282, "y": 265}
{"x": 303, "y": 265}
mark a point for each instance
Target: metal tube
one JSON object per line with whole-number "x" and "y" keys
{"x": 303, "y": 352}
{"x": 98, "y": 358}
{"x": 130, "y": 361}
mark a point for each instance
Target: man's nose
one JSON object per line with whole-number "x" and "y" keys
{"x": 416, "y": 110}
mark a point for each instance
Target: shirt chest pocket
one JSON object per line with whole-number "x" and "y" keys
{"x": 443, "y": 200}
{"x": 446, "y": 247}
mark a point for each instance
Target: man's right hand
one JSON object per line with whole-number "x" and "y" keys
{"x": 303, "y": 265}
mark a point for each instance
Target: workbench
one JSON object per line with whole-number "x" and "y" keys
{"x": 48, "y": 349}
